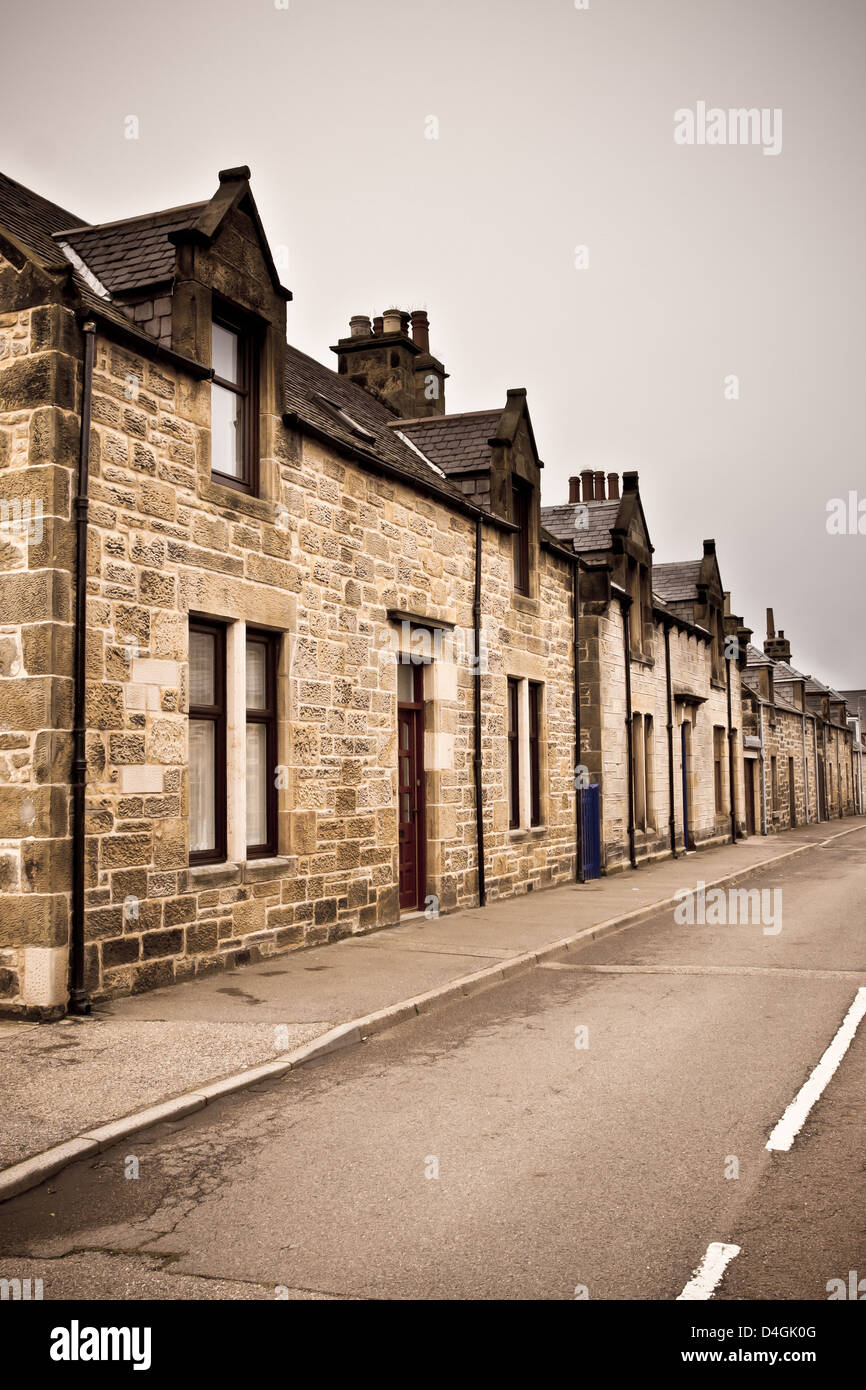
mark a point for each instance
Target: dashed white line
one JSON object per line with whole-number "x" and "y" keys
{"x": 708, "y": 1275}
{"x": 795, "y": 1116}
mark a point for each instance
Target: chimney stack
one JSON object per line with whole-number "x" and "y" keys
{"x": 396, "y": 369}
{"x": 613, "y": 487}
{"x": 573, "y": 490}
{"x": 776, "y": 647}
{"x": 420, "y": 329}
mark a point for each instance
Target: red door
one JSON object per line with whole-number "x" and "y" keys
{"x": 410, "y": 790}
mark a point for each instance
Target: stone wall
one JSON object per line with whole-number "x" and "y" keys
{"x": 40, "y": 349}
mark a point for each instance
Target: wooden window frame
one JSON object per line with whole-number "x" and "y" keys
{"x": 216, "y": 714}
{"x": 521, "y": 506}
{"x": 535, "y": 698}
{"x": 719, "y": 767}
{"x": 249, "y": 351}
{"x": 267, "y": 716}
{"x": 512, "y": 725}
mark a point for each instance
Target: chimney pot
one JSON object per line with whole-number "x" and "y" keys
{"x": 588, "y": 486}
{"x": 392, "y": 320}
{"x": 421, "y": 329}
{"x": 377, "y": 324}
{"x": 574, "y": 490}
{"x": 359, "y": 326}
{"x": 599, "y": 487}
{"x": 613, "y": 487}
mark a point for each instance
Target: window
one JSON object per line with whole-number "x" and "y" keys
{"x": 534, "y": 753}
{"x": 634, "y": 586}
{"x": 513, "y": 755}
{"x": 719, "y": 767}
{"x": 638, "y": 772}
{"x": 650, "y": 771}
{"x": 521, "y": 507}
{"x": 207, "y": 744}
{"x": 524, "y": 753}
{"x": 719, "y": 647}
{"x": 234, "y": 403}
{"x": 261, "y": 744}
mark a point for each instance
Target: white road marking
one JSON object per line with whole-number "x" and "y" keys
{"x": 795, "y": 1116}
{"x": 708, "y": 1275}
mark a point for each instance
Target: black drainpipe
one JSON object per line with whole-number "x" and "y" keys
{"x": 625, "y": 604}
{"x": 731, "y": 759}
{"x": 479, "y": 807}
{"x": 672, "y": 821}
{"x": 575, "y": 603}
{"x": 78, "y": 1001}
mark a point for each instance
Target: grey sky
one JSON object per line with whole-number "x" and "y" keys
{"x": 555, "y": 130}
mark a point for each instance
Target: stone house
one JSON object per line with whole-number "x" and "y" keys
{"x": 281, "y": 735}
{"x": 799, "y": 748}
{"x": 287, "y": 651}
{"x": 660, "y": 685}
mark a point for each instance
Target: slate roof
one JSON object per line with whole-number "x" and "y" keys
{"x": 678, "y": 581}
{"x": 755, "y": 657}
{"x": 856, "y": 702}
{"x": 455, "y": 443}
{"x": 128, "y": 255}
{"x": 34, "y": 220}
{"x": 308, "y": 380}
{"x": 563, "y": 522}
{"x": 786, "y": 672}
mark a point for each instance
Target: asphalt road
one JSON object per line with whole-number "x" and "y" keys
{"x": 480, "y": 1153}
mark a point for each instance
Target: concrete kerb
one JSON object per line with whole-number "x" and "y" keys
{"x": 33, "y": 1171}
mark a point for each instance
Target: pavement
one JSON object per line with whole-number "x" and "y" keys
{"x": 592, "y": 1127}
{"x": 66, "y": 1079}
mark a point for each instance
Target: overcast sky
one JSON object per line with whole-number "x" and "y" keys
{"x": 555, "y": 131}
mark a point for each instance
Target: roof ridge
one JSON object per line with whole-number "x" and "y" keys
{"x": 126, "y": 221}
{"x": 444, "y": 419}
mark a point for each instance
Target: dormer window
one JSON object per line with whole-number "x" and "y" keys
{"x": 521, "y": 512}
{"x": 234, "y": 403}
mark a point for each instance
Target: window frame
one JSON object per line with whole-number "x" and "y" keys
{"x": 512, "y": 728}
{"x": 215, "y": 714}
{"x": 267, "y": 716}
{"x": 534, "y": 734}
{"x": 521, "y": 507}
{"x": 719, "y": 767}
{"x": 247, "y": 332}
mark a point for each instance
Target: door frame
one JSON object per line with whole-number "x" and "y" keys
{"x": 749, "y": 794}
{"x": 685, "y": 759}
{"x": 415, "y": 708}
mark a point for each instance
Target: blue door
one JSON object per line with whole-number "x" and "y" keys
{"x": 590, "y": 832}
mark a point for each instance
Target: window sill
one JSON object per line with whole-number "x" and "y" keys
{"x": 523, "y": 603}
{"x": 222, "y": 875}
{"x": 222, "y": 495}
{"x": 214, "y": 875}
{"x": 638, "y": 659}
{"x": 526, "y": 832}
{"x": 259, "y": 870}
